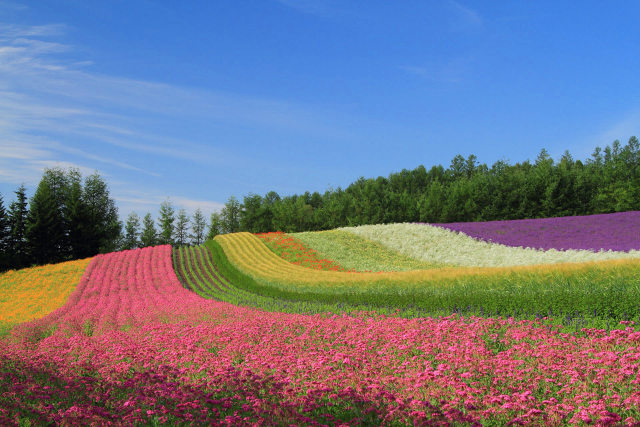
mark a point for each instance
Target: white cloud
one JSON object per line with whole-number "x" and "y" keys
{"x": 466, "y": 18}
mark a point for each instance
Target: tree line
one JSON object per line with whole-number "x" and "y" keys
{"x": 608, "y": 181}
{"x": 67, "y": 218}
{"x": 70, "y": 218}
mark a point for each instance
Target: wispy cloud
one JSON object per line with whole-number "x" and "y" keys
{"x": 465, "y": 17}
{"x": 48, "y": 98}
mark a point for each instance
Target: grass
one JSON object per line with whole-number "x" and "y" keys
{"x": 359, "y": 253}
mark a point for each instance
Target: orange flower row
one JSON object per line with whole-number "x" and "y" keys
{"x": 294, "y": 251}
{"x": 34, "y": 292}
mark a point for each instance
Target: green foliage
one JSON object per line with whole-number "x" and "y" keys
{"x": 591, "y": 298}
{"x": 4, "y": 236}
{"x": 167, "y": 217}
{"x": 181, "y": 231}
{"x": 199, "y": 226}
{"x": 43, "y": 232}
{"x": 131, "y": 232}
{"x": 230, "y": 216}
{"x": 149, "y": 236}
{"x": 466, "y": 191}
{"x": 18, "y": 229}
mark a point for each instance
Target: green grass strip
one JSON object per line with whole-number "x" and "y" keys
{"x": 359, "y": 253}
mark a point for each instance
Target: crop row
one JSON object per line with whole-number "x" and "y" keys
{"x": 358, "y": 253}
{"x": 34, "y": 292}
{"x": 446, "y": 247}
{"x": 118, "y": 291}
{"x": 617, "y": 232}
{"x": 594, "y": 290}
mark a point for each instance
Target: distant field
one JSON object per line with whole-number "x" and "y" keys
{"x": 614, "y": 232}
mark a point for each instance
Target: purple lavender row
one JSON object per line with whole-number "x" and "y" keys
{"x": 616, "y": 231}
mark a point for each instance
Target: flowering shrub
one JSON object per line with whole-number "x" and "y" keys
{"x": 617, "y": 232}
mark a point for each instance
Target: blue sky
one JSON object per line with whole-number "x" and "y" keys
{"x": 200, "y": 100}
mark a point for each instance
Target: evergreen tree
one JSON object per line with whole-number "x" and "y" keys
{"x": 181, "y": 231}
{"x": 215, "y": 226}
{"x": 103, "y": 229}
{"x": 17, "y": 229}
{"x": 230, "y": 216}
{"x": 43, "y": 232}
{"x": 76, "y": 217}
{"x": 167, "y": 217}
{"x": 59, "y": 185}
{"x": 199, "y": 226}
{"x": 131, "y": 232}
{"x": 149, "y": 236}
{"x": 4, "y": 237}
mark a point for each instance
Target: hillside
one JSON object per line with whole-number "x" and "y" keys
{"x": 270, "y": 330}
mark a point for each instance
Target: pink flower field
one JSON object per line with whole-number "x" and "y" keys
{"x": 132, "y": 346}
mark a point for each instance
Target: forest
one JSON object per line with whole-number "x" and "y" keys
{"x": 69, "y": 217}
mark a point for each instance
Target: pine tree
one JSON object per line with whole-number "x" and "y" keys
{"x": 17, "y": 229}
{"x": 59, "y": 185}
{"x": 181, "y": 230}
{"x": 167, "y": 218}
{"x": 149, "y": 236}
{"x": 230, "y": 215}
{"x": 76, "y": 217}
{"x": 104, "y": 230}
{"x": 199, "y": 226}
{"x": 43, "y": 233}
{"x": 4, "y": 237}
{"x": 131, "y": 232}
{"x": 215, "y": 226}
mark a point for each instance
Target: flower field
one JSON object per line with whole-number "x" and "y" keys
{"x": 615, "y": 232}
{"x": 230, "y": 333}
{"x": 34, "y": 292}
{"x": 294, "y": 251}
{"x": 358, "y": 253}
{"x": 437, "y": 244}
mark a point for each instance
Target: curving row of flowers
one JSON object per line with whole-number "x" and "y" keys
{"x": 34, "y": 292}
{"x": 609, "y": 232}
{"x": 446, "y": 247}
{"x": 133, "y": 346}
{"x": 296, "y": 252}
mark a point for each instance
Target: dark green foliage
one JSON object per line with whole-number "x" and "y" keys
{"x": 167, "y": 218}
{"x": 230, "y": 216}
{"x": 199, "y": 226}
{"x": 466, "y": 191}
{"x": 181, "y": 231}
{"x": 215, "y": 226}
{"x": 64, "y": 220}
{"x": 131, "y": 232}
{"x": 17, "y": 230}
{"x": 149, "y": 236}
{"x": 44, "y": 234}
{"x": 4, "y": 236}
{"x": 104, "y": 230}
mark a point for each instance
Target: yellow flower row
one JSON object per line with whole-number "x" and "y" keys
{"x": 34, "y": 292}
{"x": 251, "y": 256}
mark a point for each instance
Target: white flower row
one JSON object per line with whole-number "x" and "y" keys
{"x": 439, "y": 245}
